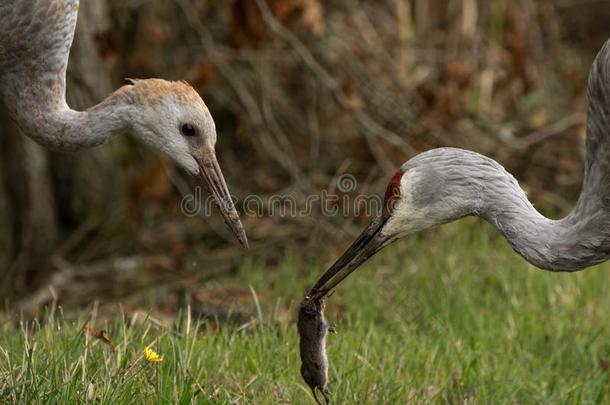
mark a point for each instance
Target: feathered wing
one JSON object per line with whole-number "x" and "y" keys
{"x": 596, "y": 185}
{"x": 35, "y": 39}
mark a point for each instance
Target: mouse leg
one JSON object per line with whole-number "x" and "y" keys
{"x": 315, "y": 395}
{"x": 325, "y": 392}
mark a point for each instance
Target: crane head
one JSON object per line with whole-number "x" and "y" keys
{"x": 172, "y": 118}
{"x": 410, "y": 204}
{"x": 435, "y": 187}
{"x": 371, "y": 240}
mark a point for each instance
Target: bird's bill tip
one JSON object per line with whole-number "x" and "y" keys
{"x": 213, "y": 179}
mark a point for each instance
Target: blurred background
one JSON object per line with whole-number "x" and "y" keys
{"x": 302, "y": 92}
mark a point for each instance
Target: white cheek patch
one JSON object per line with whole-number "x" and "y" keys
{"x": 426, "y": 201}
{"x": 160, "y": 130}
{"x": 409, "y": 217}
{"x": 175, "y": 144}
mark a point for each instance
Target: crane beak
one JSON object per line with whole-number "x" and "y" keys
{"x": 210, "y": 173}
{"x": 370, "y": 241}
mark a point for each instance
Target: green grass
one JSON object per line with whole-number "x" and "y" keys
{"x": 453, "y": 316}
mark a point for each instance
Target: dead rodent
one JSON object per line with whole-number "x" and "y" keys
{"x": 313, "y": 329}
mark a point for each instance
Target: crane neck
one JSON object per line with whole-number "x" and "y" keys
{"x": 579, "y": 240}
{"x": 583, "y": 237}
{"x": 445, "y": 184}
{"x": 43, "y": 114}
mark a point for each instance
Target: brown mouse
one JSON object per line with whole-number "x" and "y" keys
{"x": 313, "y": 329}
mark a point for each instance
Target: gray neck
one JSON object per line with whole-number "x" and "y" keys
{"x": 457, "y": 183}
{"x": 43, "y": 115}
{"x": 579, "y": 240}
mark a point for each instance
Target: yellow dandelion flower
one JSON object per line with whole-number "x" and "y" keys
{"x": 152, "y": 356}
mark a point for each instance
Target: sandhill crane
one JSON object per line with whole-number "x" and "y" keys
{"x": 446, "y": 184}
{"x": 35, "y": 40}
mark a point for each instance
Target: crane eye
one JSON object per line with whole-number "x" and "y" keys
{"x": 395, "y": 191}
{"x": 187, "y": 130}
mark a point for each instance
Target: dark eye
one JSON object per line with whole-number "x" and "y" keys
{"x": 187, "y": 130}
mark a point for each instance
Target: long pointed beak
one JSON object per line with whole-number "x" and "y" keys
{"x": 212, "y": 176}
{"x": 366, "y": 245}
